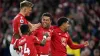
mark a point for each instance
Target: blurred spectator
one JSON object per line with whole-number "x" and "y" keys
{"x": 85, "y": 52}
{"x": 91, "y": 47}
{"x": 96, "y": 52}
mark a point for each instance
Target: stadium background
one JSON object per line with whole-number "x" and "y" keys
{"x": 84, "y": 15}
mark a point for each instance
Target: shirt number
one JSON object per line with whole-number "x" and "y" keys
{"x": 26, "y": 49}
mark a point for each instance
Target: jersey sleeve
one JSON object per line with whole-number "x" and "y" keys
{"x": 15, "y": 44}
{"x": 19, "y": 42}
{"x": 15, "y": 26}
{"x": 72, "y": 45}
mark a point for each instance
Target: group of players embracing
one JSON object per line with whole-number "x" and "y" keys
{"x": 42, "y": 39}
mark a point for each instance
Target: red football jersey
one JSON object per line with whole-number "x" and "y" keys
{"x": 17, "y": 21}
{"x": 59, "y": 40}
{"x": 26, "y": 44}
{"x": 39, "y": 33}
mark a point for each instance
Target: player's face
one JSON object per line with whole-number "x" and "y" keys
{"x": 28, "y": 11}
{"x": 66, "y": 26}
{"x": 46, "y": 22}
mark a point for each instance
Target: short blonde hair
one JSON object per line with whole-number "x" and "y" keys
{"x": 25, "y": 3}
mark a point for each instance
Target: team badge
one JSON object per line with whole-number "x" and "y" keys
{"x": 63, "y": 41}
{"x": 21, "y": 21}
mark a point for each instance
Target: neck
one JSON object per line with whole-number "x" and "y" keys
{"x": 46, "y": 27}
{"x": 62, "y": 28}
{"x": 22, "y": 12}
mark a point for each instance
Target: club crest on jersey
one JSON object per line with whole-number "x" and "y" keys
{"x": 21, "y": 21}
{"x": 63, "y": 41}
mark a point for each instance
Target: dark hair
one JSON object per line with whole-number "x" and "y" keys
{"x": 25, "y": 4}
{"x": 48, "y": 15}
{"x": 24, "y": 28}
{"x": 62, "y": 20}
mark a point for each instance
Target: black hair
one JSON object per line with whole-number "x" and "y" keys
{"x": 48, "y": 15}
{"x": 24, "y": 28}
{"x": 62, "y": 20}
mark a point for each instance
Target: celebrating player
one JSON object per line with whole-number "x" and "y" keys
{"x": 60, "y": 39}
{"x": 45, "y": 27}
{"x": 25, "y": 10}
{"x": 27, "y": 41}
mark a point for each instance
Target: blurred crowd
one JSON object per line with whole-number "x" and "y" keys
{"x": 83, "y": 14}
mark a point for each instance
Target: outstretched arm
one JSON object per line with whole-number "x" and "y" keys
{"x": 76, "y": 46}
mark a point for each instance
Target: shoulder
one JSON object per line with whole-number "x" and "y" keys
{"x": 55, "y": 31}
{"x": 17, "y": 18}
{"x": 67, "y": 34}
{"x": 20, "y": 19}
{"x": 53, "y": 27}
{"x": 22, "y": 39}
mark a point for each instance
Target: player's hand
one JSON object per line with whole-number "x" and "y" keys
{"x": 16, "y": 36}
{"x": 86, "y": 43}
{"x": 45, "y": 35}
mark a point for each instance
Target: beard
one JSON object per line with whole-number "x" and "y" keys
{"x": 46, "y": 26}
{"x": 66, "y": 29}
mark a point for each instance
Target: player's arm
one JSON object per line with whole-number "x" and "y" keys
{"x": 18, "y": 43}
{"x": 33, "y": 27}
{"x": 76, "y": 46}
{"x": 15, "y": 30}
{"x": 16, "y": 35}
{"x": 15, "y": 45}
{"x": 43, "y": 42}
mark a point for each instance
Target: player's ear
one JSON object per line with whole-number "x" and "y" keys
{"x": 29, "y": 30}
{"x": 50, "y": 21}
{"x": 24, "y": 9}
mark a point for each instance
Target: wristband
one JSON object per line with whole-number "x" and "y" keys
{"x": 44, "y": 37}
